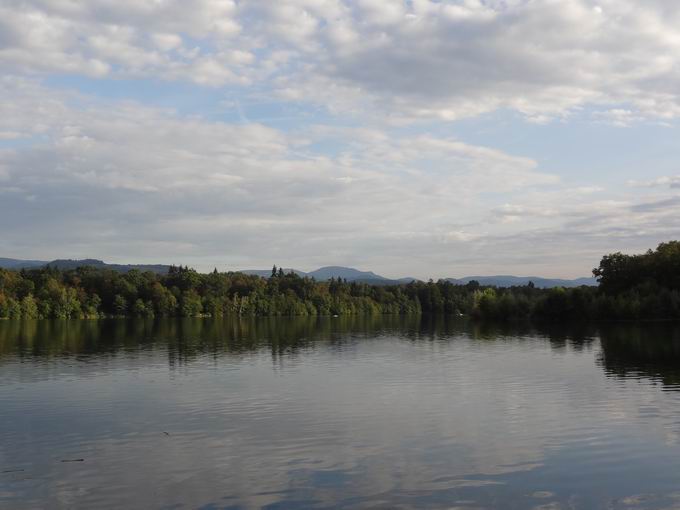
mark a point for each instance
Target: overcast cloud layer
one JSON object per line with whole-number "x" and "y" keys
{"x": 418, "y": 138}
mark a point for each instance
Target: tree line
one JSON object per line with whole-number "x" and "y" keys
{"x": 644, "y": 286}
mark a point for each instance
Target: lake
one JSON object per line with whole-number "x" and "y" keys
{"x": 386, "y": 412}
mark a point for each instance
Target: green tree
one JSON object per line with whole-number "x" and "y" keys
{"x": 29, "y": 307}
{"x": 119, "y": 305}
{"x": 191, "y": 305}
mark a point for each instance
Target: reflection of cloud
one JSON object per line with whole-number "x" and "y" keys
{"x": 349, "y": 414}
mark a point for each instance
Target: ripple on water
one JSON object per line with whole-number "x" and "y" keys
{"x": 391, "y": 417}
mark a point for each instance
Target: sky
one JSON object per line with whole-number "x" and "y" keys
{"x": 413, "y": 138}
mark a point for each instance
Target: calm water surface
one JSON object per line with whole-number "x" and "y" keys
{"x": 337, "y": 413}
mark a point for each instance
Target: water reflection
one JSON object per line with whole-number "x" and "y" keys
{"x": 651, "y": 351}
{"x": 370, "y": 412}
{"x": 187, "y": 338}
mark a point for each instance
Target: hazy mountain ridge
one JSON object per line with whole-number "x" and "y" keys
{"x": 355, "y": 275}
{"x": 122, "y": 268}
{"x": 19, "y": 264}
{"x": 511, "y": 281}
{"x": 321, "y": 274}
{"x": 347, "y": 273}
{"x": 326, "y": 273}
{"x": 67, "y": 264}
{"x": 266, "y": 273}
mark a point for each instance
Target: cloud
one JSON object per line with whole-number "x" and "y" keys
{"x": 129, "y": 38}
{"x": 93, "y": 177}
{"x": 390, "y": 59}
{"x": 672, "y": 181}
{"x": 619, "y": 117}
{"x": 123, "y": 180}
{"x": 451, "y": 60}
{"x": 668, "y": 205}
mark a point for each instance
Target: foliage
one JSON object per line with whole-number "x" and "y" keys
{"x": 643, "y": 286}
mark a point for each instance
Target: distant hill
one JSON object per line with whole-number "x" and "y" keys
{"x": 121, "y": 268}
{"x": 510, "y": 281}
{"x": 369, "y": 277}
{"x": 266, "y": 273}
{"x": 346, "y": 273}
{"x": 66, "y": 264}
{"x": 385, "y": 281}
{"x": 19, "y": 264}
{"x": 324, "y": 273}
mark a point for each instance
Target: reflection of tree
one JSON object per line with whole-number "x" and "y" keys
{"x": 645, "y": 350}
{"x": 186, "y": 339}
{"x": 63, "y": 337}
{"x": 649, "y": 350}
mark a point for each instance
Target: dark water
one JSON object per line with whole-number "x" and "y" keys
{"x": 338, "y": 413}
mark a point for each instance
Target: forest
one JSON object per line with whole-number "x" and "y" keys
{"x": 631, "y": 287}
